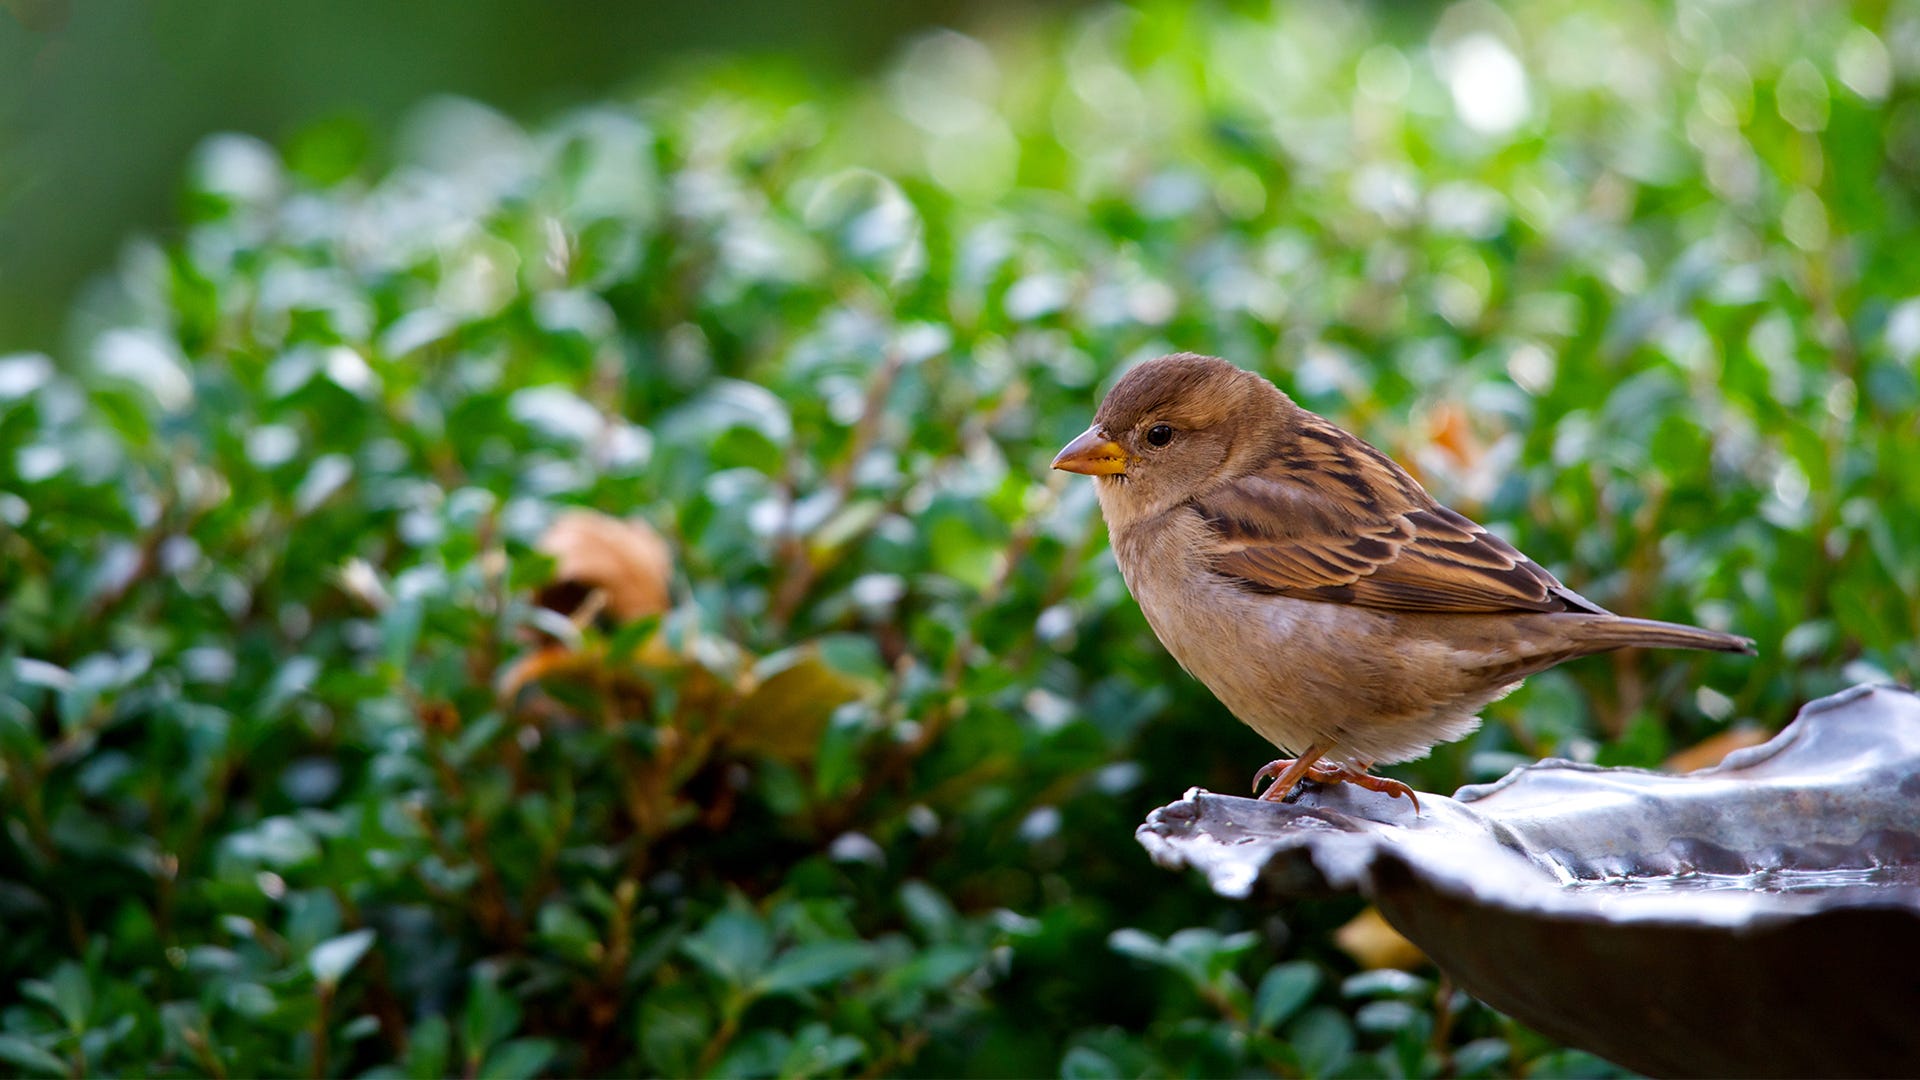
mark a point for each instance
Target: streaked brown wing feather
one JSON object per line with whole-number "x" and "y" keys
{"x": 1332, "y": 519}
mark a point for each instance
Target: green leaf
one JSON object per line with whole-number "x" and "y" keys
{"x": 1480, "y": 1057}
{"x": 280, "y": 842}
{"x": 804, "y": 967}
{"x": 565, "y": 929}
{"x": 1283, "y": 990}
{"x": 754, "y": 1054}
{"x": 963, "y": 551}
{"x": 1386, "y": 982}
{"x": 1385, "y": 1017}
{"x": 1140, "y": 945}
{"x": 429, "y": 1048}
{"x": 938, "y": 967}
{"x": 332, "y": 959}
{"x": 490, "y": 1017}
{"x": 31, "y": 1056}
{"x": 817, "y": 1051}
{"x": 400, "y": 629}
{"x": 290, "y": 680}
{"x": 840, "y": 761}
{"x": 733, "y": 946}
{"x": 1571, "y": 1064}
{"x": 1086, "y": 1063}
{"x": 930, "y": 912}
{"x": 250, "y": 999}
{"x": 1323, "y": 1039}
{"x": 675, "y": 1023}
{"x": 66, "y": 993}
{"x": 519, "y": 1059}
{"x": 1208, "y": 954}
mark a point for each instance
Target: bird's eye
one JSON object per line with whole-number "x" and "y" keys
{"x": 1160, "y": 434}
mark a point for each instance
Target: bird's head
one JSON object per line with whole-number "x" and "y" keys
{"x": 1173, "y": 428}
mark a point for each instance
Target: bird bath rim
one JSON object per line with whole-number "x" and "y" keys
{"x": 1507, "y": 843}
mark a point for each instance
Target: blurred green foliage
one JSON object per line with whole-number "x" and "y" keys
{"x": 299, "y": 778}
{"x": 101, "y": 104}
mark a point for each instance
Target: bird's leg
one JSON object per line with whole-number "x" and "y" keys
{"x": 1288, "y": 772}
{"x": 1308, "y": 766}
{"x": 1358, "y": 775}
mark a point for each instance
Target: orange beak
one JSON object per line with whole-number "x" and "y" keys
{"x": 1092, "y": 454}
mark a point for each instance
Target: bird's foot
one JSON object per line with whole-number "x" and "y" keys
{"x": 1288, "y": 772}
{"x": 1291, "y": 772}
{"x": 1360, "y": 777}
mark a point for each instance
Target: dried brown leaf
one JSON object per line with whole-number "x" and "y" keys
{"x": 624, "y": 560}
{"x": 1711, "y": 750}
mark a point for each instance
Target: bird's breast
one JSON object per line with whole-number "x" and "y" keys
{"x": 1221, "y": 633}
{"x": 1299, "y": 672}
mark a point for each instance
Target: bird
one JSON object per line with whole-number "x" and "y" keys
{"x": 1313, "y": 585}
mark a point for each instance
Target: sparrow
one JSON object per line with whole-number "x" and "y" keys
{"x": 1313, "y": 585}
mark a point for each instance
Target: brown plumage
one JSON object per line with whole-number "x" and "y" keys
{"x": 1314, "y": 586}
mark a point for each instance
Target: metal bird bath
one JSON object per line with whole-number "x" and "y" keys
{"x": 1758, "y": 918}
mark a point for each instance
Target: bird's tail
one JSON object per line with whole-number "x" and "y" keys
{"x": 1623, "y": 632}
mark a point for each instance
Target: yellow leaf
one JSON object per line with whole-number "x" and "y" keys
{"x": 788, "y": 709}
{"x": 1374, "y": 943}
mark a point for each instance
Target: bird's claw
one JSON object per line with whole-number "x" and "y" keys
{"x": 1321, "y": 772}
{"x": 1385, "y": 785}
{"x": 1268, "y": 771}
{"x": 1283, "y": 787}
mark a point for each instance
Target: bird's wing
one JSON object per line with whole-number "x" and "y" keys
{"x": 1333, "y": 519}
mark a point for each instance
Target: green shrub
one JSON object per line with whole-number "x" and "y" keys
{"x": 299, "y": 777}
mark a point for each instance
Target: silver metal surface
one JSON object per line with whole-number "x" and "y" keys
{"x": 1758, "y": 918}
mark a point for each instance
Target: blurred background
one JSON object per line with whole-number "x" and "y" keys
{"x": 526, "y": 544}
{"x": 101, "y": 103}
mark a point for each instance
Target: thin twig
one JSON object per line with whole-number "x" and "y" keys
{"x": 799, "y": 569}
